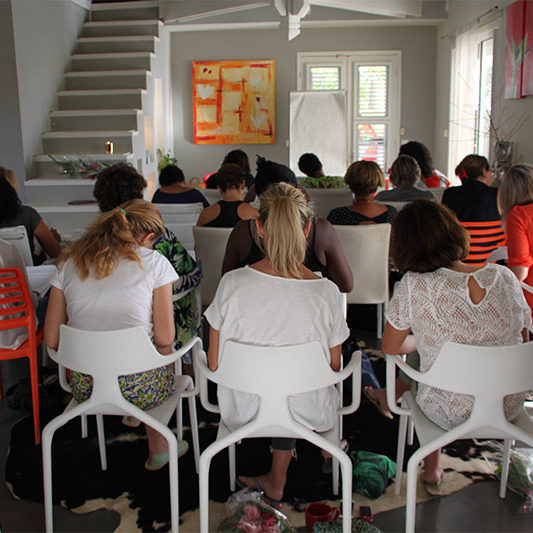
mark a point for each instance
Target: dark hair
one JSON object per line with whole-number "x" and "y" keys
{"x": 229, "y": 176}
{"x": 171, "y": 174}
{"x": 9, "y": 201}
{"x": 116, "y": 185}
{"x": 422, "y": 155}
{"x": 404, "y": 171}
{"x": 364, "y": 177}
{"x": 269, "y": 172}
{"x": 426, "y": 236}
{"x": 471, "y": 167}
{"x": 238, "y": 157}
{"x": 309, "y": 164}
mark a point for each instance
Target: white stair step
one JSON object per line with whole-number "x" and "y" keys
{"x": 122, "y": 28}
{"x": 46, "y": 168}
{"x": 47, "y": 192}
{"x": 68, "y": 219}
{"x": 112, "y": 61}
{"x": 125, "y": 10}
{"x": 95, "y": 119}
{"x": 101, "y": 99}
{"x": 95, "y": 45}
{"x": 107, "y": 79}
{"x": 88, "y": 142}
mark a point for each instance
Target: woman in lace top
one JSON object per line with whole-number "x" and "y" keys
{"x": 441, "y": 299}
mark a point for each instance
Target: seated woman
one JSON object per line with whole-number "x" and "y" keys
{"x": 431, "y": 177}
{"x": 311, "y": 166}
{"x": 404, "y": 175}
{"x": 239, "y": 158}
{"x": 324, "y": 251}
{"x": 363, "y": 178}
{"x": 516, "y": 201}
{"x": 280, "y": 302}
{"x": 121, "y": 183}
{"x": 173, "y": 189}
{"x": 111, "y": 278}
{"x": 441, "y": 299}
{"x": 475, "y": 205}
{"x": 13, "y": 213}
{"x": 231, "y": 209}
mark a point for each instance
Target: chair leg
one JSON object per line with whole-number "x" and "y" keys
{"x": 400, "y": 453}
{"x": 83, "y": 420}
{"x": 194, "y": 431}
{"x": 34, "y": 378}
{"x": 47, "y": 479}
{"x": 411, "y": 434}
{"x": 410, "y": 508}
{"x": 232, "y": 467}
{"x": 101, "y": 441}
{"x": 379, "y": 320}
{"x": 179, "y": 416}
{"x": 335, "y": 476}
{"x": 173, "y": 480}
{"x": 507, "y": 445}
{"x": 1, "y": 387}
{"x": 347, "y": 472}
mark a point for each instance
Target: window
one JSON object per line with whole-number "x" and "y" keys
{"x": 471, "y": 95}
{"x": 372, "y": 84}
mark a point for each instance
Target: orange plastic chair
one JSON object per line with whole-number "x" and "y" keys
{"x": 16, "y": 310}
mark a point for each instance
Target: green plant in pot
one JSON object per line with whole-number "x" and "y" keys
{"x": 165, "y": 159}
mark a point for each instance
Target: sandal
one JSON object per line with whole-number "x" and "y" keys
{"x": 157, "y": 461}
{"x": 327, "y": 465}
{"x": 270, "y": 501}
{"x": 131, "y": 421}
{"x": 385, "y": 412}
{"x": 433, "y": 488}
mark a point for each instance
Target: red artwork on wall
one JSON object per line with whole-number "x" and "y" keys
{"x": 514, "y": 48}
{"x": 527, "y": 71}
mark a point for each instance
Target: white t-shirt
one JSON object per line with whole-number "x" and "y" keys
{"x": 122, "y": 300}
{"x": 257, "y": 308}
{"x": 437, "y": 307}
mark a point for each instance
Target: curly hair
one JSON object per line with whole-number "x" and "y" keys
{"x": 113, "y": 236}
{"x": 116, "y": 185}
{"x": 171, "y": 174}
{"x": 270, "y": 172}
{"x": 9, "y": 201}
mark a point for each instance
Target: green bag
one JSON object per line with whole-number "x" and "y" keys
{"x": 371, "y": 473}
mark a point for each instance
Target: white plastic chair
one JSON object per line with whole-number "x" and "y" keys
{"x": 488, "y": 373}
{"x": 498, "y": 254}
{"x": 274, "y": 374}
{"x": 325, "y": 200}
{"x": 18, "y": 236}
{"x": 397, "y": 205}
{"x": 180, "y": 219}
{"x": 367, "y": 249}
{"x": 438, "y": 192}
{"x": 210, "y": 247}
{"x": 106, "y": 355}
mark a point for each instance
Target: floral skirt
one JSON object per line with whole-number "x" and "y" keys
{"x": 145, "y": 390}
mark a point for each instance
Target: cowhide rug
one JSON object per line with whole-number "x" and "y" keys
{"x": 141, "y": 497}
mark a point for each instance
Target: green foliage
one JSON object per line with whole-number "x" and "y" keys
{"x": 325, "y": 182}
{"x": 165, "y": 159}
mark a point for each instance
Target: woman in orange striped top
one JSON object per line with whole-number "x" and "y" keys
{"x": 476, "y": 206}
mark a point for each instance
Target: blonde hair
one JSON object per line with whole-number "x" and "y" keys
{"x": 113, "y": 236}
{"x": 284, "y": 214}
{"x": 9, "y": 175}
{"x": 516, "y": 188}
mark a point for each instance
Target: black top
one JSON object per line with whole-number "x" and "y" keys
{"x": 344, "y": 216}
{"x": 228, "y": 216}
{"x": 188, "y": 197}
{"x": 473, "y": 201}
{"x": 311, "y": 260}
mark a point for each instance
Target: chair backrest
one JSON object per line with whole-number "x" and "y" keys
{"x": 210, "y": 247}
{"x": 397, "y": 205}
{"x": 366, "y": 248}
{"x": 438, "y": 192}
{"x": 16, "y": 306}
{"x": 18, "y": 236}
{"x": 325, "y": 200}
{"x": 486, "y": 372}
{"x": 273, "y": 371}
{"x": 211, "y": 195}
{"x": 180, "y": 219}
{"x": 105, "y": 354}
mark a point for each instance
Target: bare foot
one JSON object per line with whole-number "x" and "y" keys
{"x": 265, "y": 484}
{"x": 378, "y": 398}
{"x": 433, "y": 476}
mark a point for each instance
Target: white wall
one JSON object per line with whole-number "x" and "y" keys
{"x": 45, "y": 34}
{"x": 461, "y": 14}
{"x": 418, "y": 46}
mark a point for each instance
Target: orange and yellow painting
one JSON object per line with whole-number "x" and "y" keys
{"x": 233, "y": 102}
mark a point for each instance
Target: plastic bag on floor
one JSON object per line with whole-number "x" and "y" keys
{"x": 247, "y": 511}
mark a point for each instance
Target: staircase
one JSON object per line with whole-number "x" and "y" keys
{"x": 108, "y": 95}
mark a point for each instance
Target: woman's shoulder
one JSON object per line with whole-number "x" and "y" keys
{"x": 522, "y": 211}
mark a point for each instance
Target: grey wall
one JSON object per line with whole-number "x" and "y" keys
{"x": 45, "y": 33}
{"x": 418, "y": 46}
{"x": 11, "y": 153}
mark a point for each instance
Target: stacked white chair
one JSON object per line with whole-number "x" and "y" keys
{"x": 325, "y": 200}
{"x": 488, "y": 373}
{"x": 180, "y": 219}
{"x": 274, "y": 374}
{"x": 18, "y": 236}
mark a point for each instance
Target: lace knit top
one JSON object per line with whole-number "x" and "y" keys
{"x": 437, "y": 307}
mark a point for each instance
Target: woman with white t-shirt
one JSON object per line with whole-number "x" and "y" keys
{"x": 276, "y": 302}
{"x": 112, "y": 279}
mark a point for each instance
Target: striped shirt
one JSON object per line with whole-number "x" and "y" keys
{"x": 475, "y": 204}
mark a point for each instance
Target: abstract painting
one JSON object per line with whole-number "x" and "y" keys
{"x": 527, "y": 72}
{"x": 514, "y": 48}
{"x": 233, "y": 102}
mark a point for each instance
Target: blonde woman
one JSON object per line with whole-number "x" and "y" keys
{"x": 278, "y": 301}
{"x": 516, "y": 202}
{"x": 112, "y": 279}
